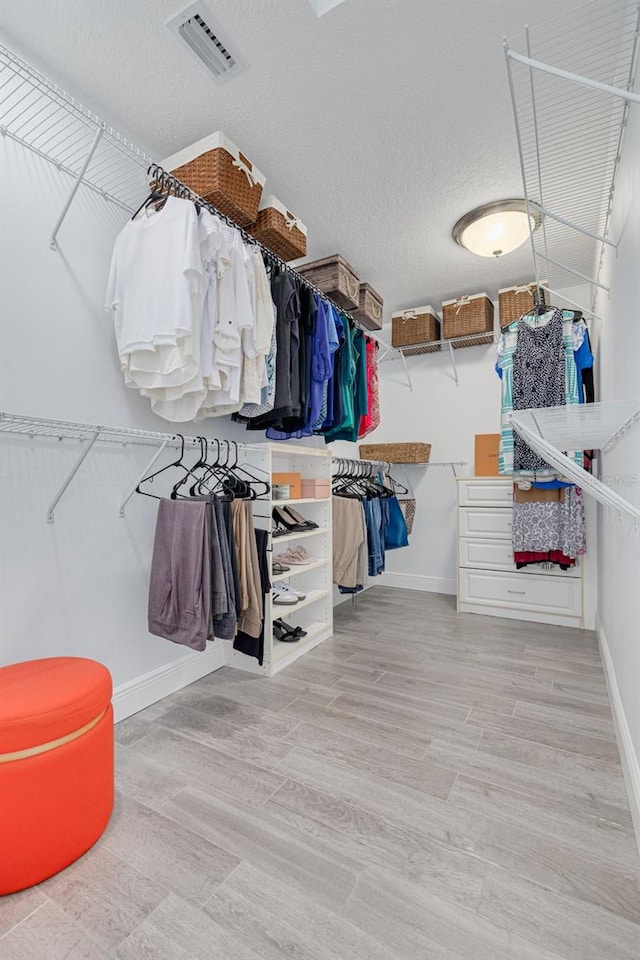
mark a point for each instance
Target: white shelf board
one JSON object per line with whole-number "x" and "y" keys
{"x": 298, "y": 536}
{"x": 278, "y": 503}
{"x": 299, "y": 568}
{"x": 280, "y": 609}
{"x": 291, "y": 651}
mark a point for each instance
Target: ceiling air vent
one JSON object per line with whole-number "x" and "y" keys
{"x": 195, "y": 27}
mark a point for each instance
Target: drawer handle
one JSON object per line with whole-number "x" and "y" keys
{"x": 516, "y": 591}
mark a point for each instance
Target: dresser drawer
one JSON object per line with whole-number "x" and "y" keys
{"x": 553, "y": 596}
{"x": 488, "y": 492}
{"x": 486, "y": 522}
{"x": 498, "y": 555}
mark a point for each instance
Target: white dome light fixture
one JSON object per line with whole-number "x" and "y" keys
{"x": 497, "y": 228}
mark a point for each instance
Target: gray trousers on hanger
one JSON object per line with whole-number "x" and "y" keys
{"x": 180, "y": 582}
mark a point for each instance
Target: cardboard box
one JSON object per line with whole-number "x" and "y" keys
{"x": 316, "y": 488}
{"x": 293, "y": 479}
{"x": 535, "y": 495}
{"x": 486, "y": 458}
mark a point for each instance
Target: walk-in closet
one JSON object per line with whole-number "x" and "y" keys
{"x": 320, "y": 459}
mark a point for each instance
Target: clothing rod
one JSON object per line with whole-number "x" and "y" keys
{"x": 163, "y": 178}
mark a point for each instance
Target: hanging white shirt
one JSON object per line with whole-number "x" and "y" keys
{"x": 156, "y": 268}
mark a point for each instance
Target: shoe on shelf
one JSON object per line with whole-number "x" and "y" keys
{"x": 282, "y": 625}
{"x": 282, "y": 519}
{"x": 286, "y": 634}
{"x": 286, "y": 589}
{"x": 296, "y": 556}
{"x": 299, "y": 519}
{"x": 282, "y": 596}
{"x": 277, "y": 568}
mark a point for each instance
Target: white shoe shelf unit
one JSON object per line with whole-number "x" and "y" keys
{"x": 314, "y": 613}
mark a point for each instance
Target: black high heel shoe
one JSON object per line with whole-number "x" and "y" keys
{"x": 299, "y": 519}
{"x": 283, "y": 519}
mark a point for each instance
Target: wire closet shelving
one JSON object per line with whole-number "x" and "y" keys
{"x": 47, "y": 120}
{"x": 92, "y": 433}
{"x": 571, "y": 82}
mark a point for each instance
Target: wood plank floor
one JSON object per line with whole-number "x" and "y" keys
{"x": 423, "y": 786}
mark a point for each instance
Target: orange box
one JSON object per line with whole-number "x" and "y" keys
{"x": 293, "y": 479}
{"x": 487, "y": 449}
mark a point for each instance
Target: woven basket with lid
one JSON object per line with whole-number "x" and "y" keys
{"x": 215, "y": 169}
{"x": 279, "y": 230}
{"x": 416, "y": 330}
{"x": 513, "y": 302}
{"x": 468, "y": 316}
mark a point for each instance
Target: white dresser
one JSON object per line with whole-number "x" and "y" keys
{"x": 489, "y": 581}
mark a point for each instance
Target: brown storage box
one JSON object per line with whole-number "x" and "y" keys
{"x": 468, "y": 316}
{"x": 279, "y": 231}
{"x": 538, "y": 496}
{"x": 369, "y": 311}
{"x": 514, "y": 301}
{"x": 396, "y": 452}
{"x": 335, "y": 277}
{"x": 316, "y": 488}
{"x": 293, "y": 479}
{"x": 215, "y": 169}
{"x": 486, "y": 458}
{"x": 420, "y": 326}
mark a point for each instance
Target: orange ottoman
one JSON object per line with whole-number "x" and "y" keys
{"x": 56, "y": 765}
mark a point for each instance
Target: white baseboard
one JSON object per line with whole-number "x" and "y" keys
{"x": 628, "y": 756}
{"x": 131, "y": 697}
{"x": 414, "y": 581}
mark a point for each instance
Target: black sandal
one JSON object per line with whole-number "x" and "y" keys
{"x": 285, "y": 626}
{"x": 284, "y": 635}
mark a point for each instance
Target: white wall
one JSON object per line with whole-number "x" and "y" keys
{"x": 77, "y": 586}
{"x": 619, "y": 544}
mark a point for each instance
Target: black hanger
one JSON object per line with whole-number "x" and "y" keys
{"x": 190, "y": 472}
{"x": 175, "y": 463}
{"x": 159, "y": 189}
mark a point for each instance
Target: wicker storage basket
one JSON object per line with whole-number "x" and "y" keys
{"x": 369, "y": 312}
{"x": 396, "y": 452}
{"x": 279, "y": 230}
{"x": 216, "y": 170}
{"x": 335, "y": 277}
{"x": 468, "y": 316}
{"x": 419, "y": 326}
{"x": 514, "y": 301}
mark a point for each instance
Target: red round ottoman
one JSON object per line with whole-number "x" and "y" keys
{"x": 56, "y": 765}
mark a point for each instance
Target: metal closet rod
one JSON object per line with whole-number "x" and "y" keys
{"x": 42, "y": 427}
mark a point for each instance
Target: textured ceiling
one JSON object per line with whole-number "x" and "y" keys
{"x": 378, "y": 124}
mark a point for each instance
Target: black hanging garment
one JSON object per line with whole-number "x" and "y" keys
{"x": 538, "y": 379}
{"x": 254, "y": 646}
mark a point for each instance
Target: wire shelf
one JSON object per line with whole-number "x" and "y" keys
{"x": 571, "y": 83}
{"x": 598, "y": 426}
{"x": 43, "y": 117}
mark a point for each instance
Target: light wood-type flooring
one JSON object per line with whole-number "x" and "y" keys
{"x": 424, "y": 786}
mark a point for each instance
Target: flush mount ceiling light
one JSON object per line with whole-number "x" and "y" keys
{"x": 497, "y": 228}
